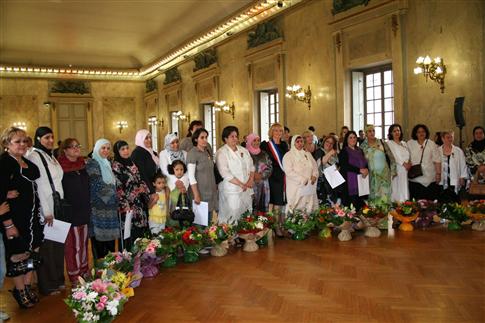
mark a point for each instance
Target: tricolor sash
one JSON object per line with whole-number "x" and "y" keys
{"x": 275, "y": 151}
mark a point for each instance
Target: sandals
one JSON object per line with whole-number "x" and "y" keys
{"x": 32, "y": 294}
{"x": 22, "y": 298}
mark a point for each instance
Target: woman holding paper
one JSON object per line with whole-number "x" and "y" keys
{"x": 237, "y": 169}
{"x": 51, "y": 272}
{"x": 276, "y": 149}
{"x": 21, "y": 225}
{"x": 301, "y": 175}
{"x": 104, "y": 201}
{"x": 132, "y": 193}
{"x": 382, "y": 166}
{"x": 352, "y": 163}
{"x": 75, "y": 183}
{"x": 200, "y": 166}
{"x": 326, "y": 157}
{"x": 399, "y": 188}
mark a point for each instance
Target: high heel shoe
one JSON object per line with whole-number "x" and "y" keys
{"x": 22, "y": 298}
{"x": 32, "y": 294}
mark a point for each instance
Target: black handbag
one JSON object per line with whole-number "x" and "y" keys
{"x": 62, "y": 208}
{"x": 417, "y": 170}
{"x": 183, "y": 212}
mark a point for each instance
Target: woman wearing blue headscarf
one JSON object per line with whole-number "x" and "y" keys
{"x": 105, "y": 224}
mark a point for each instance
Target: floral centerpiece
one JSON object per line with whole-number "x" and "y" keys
{"x": 96, "y": 301}
{"x": 170, "y": 242}
{"x": 192, "y": 242}
{"x": 476, "y": 212}
{"x": 427, "y": 211}
{"x": 123, "y": 262}
{"x": 268, "y": 220}
{"x": 342, "y": 217}
{"x": 218, "y": 236}
{"x": 405, "y": 212}
{"x": 150, "y": 253}
{"x": 252, "y": 227}
{"x": 321, "y": 217}
{"x": 299, "y": 224}
{"x": 455, "y": 213}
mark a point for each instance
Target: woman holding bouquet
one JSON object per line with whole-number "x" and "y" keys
{"x": 301, "y": 175}
{"x": 262, "y": 171}
{"x": 237, "y": 170}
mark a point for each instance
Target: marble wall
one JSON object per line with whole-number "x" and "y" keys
{"x": 311, "y": 54}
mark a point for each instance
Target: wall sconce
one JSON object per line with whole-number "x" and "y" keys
{"x": 179, "y": 115}
{"x": 48, "y": 104}
{"x": 224, "y": 107}
{"x": 154, "y": 121}
{"x": 121, "y": 125}
{"x": 20, "y": 125}
{"x": 434, "y": 69}
{"x": 297, "y": 93}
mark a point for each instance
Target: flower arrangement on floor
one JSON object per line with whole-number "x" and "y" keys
{"x": 342, "y": 217}
{"x": 218, "y": 236}
{"x": 406, "y": 212}
{"x": 150, "y": 252}
{"x": 252, "y": 227}
{"x": 299, "y": 224}
{"x": 170, "y": 242}
{"x": 455, "y": 213}
{"x": 321, "y": 217}
{"x": 476, "y": 211}
{"x": 192, "y": 242}
{"x": 374, "y": 216}
{"x": 427, "y": 211}
{"x": 96, "y": 301}
{"x": 121, "y": 262}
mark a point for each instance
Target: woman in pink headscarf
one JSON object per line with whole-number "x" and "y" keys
{"x": 263, "y": 169}
{"x": 145, "y": 158}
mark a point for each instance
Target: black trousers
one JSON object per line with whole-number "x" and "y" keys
{"x": 420, "y": 192}
{"x": 101, "y": 248}
{"x": 51, "y": 271}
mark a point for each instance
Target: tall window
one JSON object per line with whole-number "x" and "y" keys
{"x": 174, "y": 126}
{"x": 269, "y": 111}
{"x": 210, "y": 124}
{"x": 373, "y": 99}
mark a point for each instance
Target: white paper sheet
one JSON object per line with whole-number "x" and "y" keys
{"x": 201, "y": 212}
{"x": 57, "y": 232}
{"x": 308, "y": 189}
{"x": 333, "y": 176}
{"x": 127, "y": 229}
{"x": 364, "y": 188}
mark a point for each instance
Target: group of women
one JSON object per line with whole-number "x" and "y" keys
{"x": 103, "y": 197}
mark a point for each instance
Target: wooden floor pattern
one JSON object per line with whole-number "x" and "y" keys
{"x": 420, "y": 276}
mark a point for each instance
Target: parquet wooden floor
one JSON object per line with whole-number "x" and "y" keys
{"x": 420, "y": 276}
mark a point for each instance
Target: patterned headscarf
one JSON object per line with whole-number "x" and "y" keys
{"x": 174, "y": 154}
{"x": 104, "y": 164}
{"x": 140, "y": 142}
{"x": 249, "y": 144}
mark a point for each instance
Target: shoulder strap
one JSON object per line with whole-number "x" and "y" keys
{"x": 422, "y": 153}
{"x": 44, "y": 162}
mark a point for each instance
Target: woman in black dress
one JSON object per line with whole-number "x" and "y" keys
{"x": 21, "y": 227}
{"x": 276, "y": 149}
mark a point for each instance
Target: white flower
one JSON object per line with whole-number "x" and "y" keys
{"x": 95, "y": 318}
{"x": 91, "y": 297}
{"x": 112, "y": 307}
{"x": 88, "y": 316}
{"x": 260, "y": 225}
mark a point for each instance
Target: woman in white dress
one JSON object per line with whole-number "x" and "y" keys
{"x": 301, "y": 170}
{"x": 399, "y": 185}
{"x": 237, "y": 169}
{"x": 171, "y": 153}
{"x": 454, "y": 170}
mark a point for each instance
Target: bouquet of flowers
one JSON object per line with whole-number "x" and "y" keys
{"x": 192, "y": 242}
{"x": 170, "y": 242}
{"x": 338, "y": 215}
{"x": 476, "y": 211}
{"x": 96, "y": 301}
{"x": 455, "y": 213}
{"x": 406, "y": 212}
{"x": 150, "y": 253}
{"x": 119, "y": 261}
{"x": 476, "y": 207}
{"x": 321, "y": 217}
{"x": 219, "y": 236}
{"x": 299, "y": 223}
{"x": 427, "y": 211}
{"x": 251, "y": 223}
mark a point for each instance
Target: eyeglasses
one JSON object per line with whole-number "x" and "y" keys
{"x": 18, "y": 142}
{"x": 75, "y": 146}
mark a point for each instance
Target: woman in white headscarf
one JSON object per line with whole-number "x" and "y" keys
{"x": 145, "y": 158}
{"x": 171, "y": 153}
{"x": 301, "y": 175}
{"x": 104, "y": 202}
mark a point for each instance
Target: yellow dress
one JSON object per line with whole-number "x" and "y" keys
{"x": 158, "y": 213}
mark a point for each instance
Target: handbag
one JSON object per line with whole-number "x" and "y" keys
{"x": 62, "y": 208}
{"x": 475, "y": 187}
{"x": 417, "y": 170}
{"x": 182, "y": 211}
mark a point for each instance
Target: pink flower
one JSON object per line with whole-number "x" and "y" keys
{"x": 100, "y": 306}
{"x": 98, "y": 286}
{"x": 116, "y": 296}
{"x": 79, "y": 295}
{"x": 150, "y": 249}
{"x": 103, "y": 299}
{"x": 118, "y": 258}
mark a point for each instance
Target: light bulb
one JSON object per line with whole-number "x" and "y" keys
{"x": 420, "y": 60}
{"x": 427, "y": 60}
{"x": 439, "y": 70}
{"x": 418, "y": 70}
{"x": 437, "y": 60}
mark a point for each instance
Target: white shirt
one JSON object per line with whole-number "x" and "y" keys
{"x": 430, "y": 156}
{"x": 43, "y": 185}
{"x": 165, "y": 160}
{"x": 458, "y": 168}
